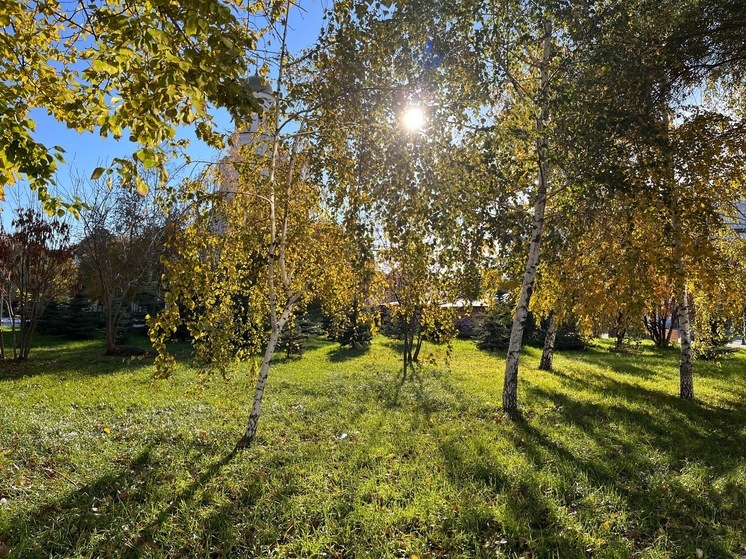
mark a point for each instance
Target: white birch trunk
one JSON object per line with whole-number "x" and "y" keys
{"x": 276, "y": 260}
{"x": 686, "y": 374}
{"x": 261, "y": 381}
{"x": 510, "y": 387}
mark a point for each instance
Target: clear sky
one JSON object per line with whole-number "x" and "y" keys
{"x": 85, "y": 152}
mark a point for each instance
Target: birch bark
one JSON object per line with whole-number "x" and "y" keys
{"x": 277, "y": 254}
{"x": 510, "y": 386}
{"x": 686, "y": 376}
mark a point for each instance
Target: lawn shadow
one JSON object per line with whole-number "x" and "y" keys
{"x": 71, "y": 363}
{"x": 641, "y": 459}
{"x": 341, "y": 354}
{"x": 122, "y": 505}
{"x": 619, "y": 363}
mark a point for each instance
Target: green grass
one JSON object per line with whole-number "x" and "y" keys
{"x": 351, "y": 460}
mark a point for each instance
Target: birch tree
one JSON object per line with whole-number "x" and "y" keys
{"x": 254, "y": 245}
{"x": 433, "y": 197}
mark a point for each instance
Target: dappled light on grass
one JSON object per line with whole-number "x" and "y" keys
{"x": 353, "y": 460}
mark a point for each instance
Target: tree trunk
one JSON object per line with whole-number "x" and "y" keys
{"x": 686, "y": 378}
{"x": 261, "y": 380}
{"x": 670, "y": 330}
{"x": 111, "y": 335}
{"x": 13, "y": 336}
{"x": 620, "y": 334}
{"x": 417, "y": 347}
{"x": 112, "y": 315}
{"x": 407, "y": 357}
{"x": 510, "y": 386}
{"x": 547, "y": 355}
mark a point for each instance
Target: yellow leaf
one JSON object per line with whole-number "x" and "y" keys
{"x": 142, "y": 188}
{"x": 107, "y": 430}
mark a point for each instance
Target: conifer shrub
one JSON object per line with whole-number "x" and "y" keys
{"x": 356, "y": 331}
{"x": 493, "y": 334}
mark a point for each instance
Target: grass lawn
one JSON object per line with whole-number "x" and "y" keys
{"x": 351, "y": 460}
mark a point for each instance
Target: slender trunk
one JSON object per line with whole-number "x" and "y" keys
{"x": 621, "y": 331}
{"x": 662, "y": 333}
{"x": 686, "y": 377}
{"x": 25, "y": 345}
{"x": 407, "y": 353}
{"x": 12, "y": 316}
{"x": 276, "y": 260}
{"x": 261, "y": 381}
{"x": 28, "y": 325}
{"x": 620, "y": 338}
{"x": 510, "y": 386}
{"x": 417, "y": 348}
{"x": 417, "y": 329}
{"x": 111, "y": 336}
{"x": 112, "y": 315}
{"x": 547, "y": 355}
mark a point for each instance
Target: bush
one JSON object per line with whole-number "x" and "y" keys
{"x": 710, "y": 339}
{"x": 81, "y": 319}
{"x": 292, "y": 339}
{"x": 357, "y": 329}
{"x": 52, "y": 320}
{"x": 313, "y": 322}
{"x": 391, "y": 324}
{"x": 74, "y": 320}
{"x": 124, "y": 327}
{"x": 493, "y": 334}
{"x": 568, "y": 336}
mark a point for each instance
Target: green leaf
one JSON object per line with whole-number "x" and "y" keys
{"x": 104, "y": 67}
{"x": 97, "y": 172}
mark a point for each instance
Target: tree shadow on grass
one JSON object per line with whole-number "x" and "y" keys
{"x": 341, "y": 354}
{"x": 112, "y": 516}
{"x": 642, "y": 459}
{"x": 618, "y": 489}
{"x": 621, "y": 364}
{"x": 397, "y": 346}
{"x": 70, "y": 363}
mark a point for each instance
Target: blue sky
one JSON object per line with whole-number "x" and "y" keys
{"x": 85, "y": 152}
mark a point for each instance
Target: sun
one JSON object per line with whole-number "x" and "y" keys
{"x": 413, "y": 118}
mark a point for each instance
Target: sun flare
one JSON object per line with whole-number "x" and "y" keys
{"x": 413, "y": 118}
